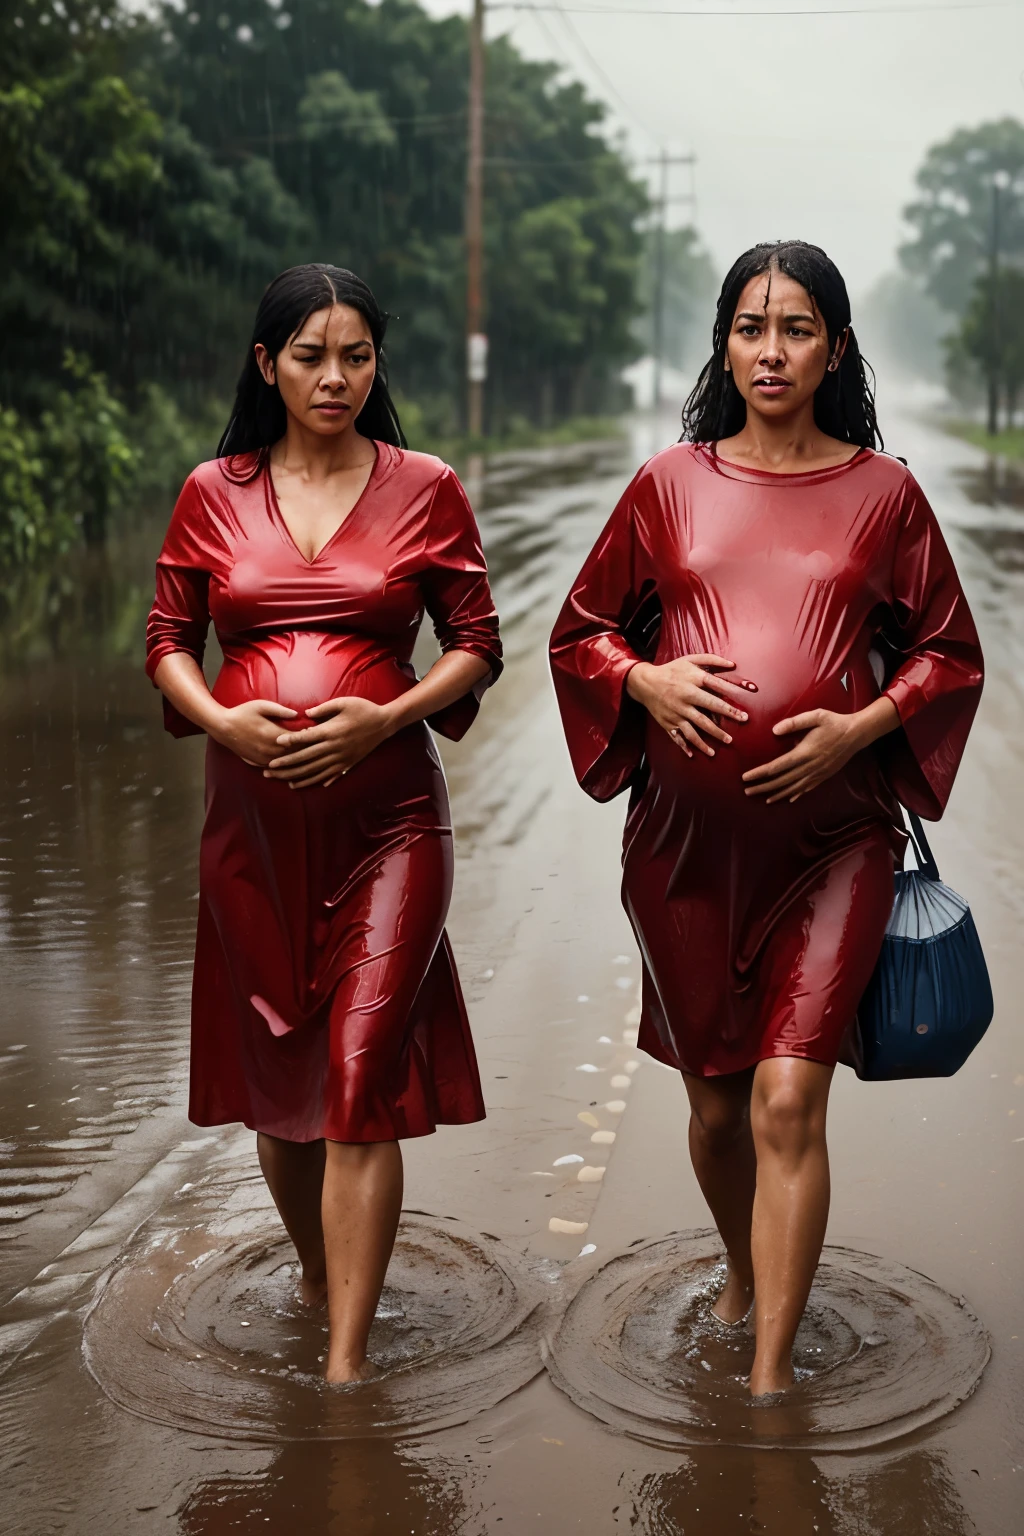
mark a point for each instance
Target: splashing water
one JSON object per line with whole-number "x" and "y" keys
{"x": 201, "y": 1327}
{"x": 882, "y": 1350}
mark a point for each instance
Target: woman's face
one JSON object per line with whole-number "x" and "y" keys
{"x": 324, "y": 371}
{"x": 778, "y": 347}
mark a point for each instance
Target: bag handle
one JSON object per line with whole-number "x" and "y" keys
{"x": 922, "y": 852}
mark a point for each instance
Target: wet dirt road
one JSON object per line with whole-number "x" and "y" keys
{"x": 184, "y": 1398}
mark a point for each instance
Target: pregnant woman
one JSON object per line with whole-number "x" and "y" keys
{"x": 326, "y": 1009}
{"x": 770, "y": 648}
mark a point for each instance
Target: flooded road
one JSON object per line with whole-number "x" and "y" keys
{"x": 542, "y": 1320}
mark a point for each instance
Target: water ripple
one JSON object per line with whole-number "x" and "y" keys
{"x": 882, "y": 1350}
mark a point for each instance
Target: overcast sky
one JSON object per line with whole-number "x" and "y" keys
{"x": 807, "y": 126}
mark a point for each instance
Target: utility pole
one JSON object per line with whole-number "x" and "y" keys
{"x": 1000, "y": 179}
{"x": 664, "y": 162}
{"x": 476, "y": 340}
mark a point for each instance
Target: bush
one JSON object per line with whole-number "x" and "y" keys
{"x": 31, "y": 523}
{"x": 61, "y": 480}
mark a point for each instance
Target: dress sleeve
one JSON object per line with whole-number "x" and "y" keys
{"x": 603, "y": 630}
{"x": 936, "y": 685}
{"x": 458, "y": 598}
{"x": 180, "y": 615}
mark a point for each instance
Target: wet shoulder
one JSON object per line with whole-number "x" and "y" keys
{"x": 216, "y": 479}
{"x": 883, "y": 482}
{"x": 884, "y": 470}
{"x": 672, "y": 466}
{"x": 414, "y": 472}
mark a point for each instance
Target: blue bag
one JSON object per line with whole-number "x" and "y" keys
{"x": 930, "y": 1000}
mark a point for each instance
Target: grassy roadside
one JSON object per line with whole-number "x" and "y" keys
{"x": 1009, "y": 443}
{"x": 457, "y": 448}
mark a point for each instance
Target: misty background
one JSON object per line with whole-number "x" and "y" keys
{"x": 806, "y": 121}
{"x": 161, "y": 160}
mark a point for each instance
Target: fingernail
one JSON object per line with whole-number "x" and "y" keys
{"x": 743, "y": 715}
{"x": 728, "y": 741}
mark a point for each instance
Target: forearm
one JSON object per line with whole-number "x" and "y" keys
{"x": 180, "y": 679}
{"x": 451, "y": 676}
{"x": 876, "y": 720}
{"x": 637, "y": 681}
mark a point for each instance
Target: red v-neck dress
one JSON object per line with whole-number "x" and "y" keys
{"x": 759, "y": 925}
{"x": 325, "y": 997}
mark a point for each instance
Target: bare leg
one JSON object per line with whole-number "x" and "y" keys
{"x": 294, "y": 1171}
{"x": 722, "y": 1153}
{"x": 362, "y": 1201}
{"x": 787, "y": 1115}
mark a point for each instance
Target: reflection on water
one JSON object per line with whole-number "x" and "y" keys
{"x": 1004, "y": 546}
{"x": 800, "y": 1495}
{"x": 996, "y": 483}
{"x": 98, "y": 822}
{"x": 369, "y": 1489}
{"x": 92, "y": 602}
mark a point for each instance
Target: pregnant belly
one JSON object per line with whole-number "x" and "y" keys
{"x": 787, "y": 685}
{"x": 303, "y": 668}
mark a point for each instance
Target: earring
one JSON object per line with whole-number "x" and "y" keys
{"x": 833, "y": 365}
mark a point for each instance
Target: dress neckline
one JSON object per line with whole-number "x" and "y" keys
{"x": 357, "y": 505}
{"x": 707, "y": 454}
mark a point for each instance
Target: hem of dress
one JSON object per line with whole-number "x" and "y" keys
{"x": 824, "y": 1061}
{"x": 408, "y": 1135}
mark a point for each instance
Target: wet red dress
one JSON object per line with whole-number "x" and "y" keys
{"x": 325, "y": 998}
{"x": 759, "y": 925}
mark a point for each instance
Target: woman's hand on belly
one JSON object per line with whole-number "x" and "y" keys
{"x": 251, "y": 730}
{"x": 831, "y": 740}
{"x": 682, "y": 695}
{"x": 347, "y": 731}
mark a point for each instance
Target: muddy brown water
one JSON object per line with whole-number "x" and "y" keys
{"x": 155, "y": 1374}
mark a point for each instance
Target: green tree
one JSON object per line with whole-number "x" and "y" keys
{"x": 361, "y": 110}
{"x": 158, "y": 165}
{"x": 122, "y": 237}
{"x": 952, "y": 216}
{"x": 991, "y": 335}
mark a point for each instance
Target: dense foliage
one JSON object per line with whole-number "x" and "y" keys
{"x": 156, "y": 169}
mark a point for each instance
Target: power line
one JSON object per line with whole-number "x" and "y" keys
{"x": 608, "y": 83}
{"x": 645, "y": 10}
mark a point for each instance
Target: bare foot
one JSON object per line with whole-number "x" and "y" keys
{"x": 345, "y": 1373}
{"x": 312, "y": 1292}
{"x": 734, "y": 1301}
{"x": 770, "y": 1382}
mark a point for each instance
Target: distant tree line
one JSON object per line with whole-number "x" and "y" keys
{"x": 158, "y": 167}
{"x": 967, "y": 253}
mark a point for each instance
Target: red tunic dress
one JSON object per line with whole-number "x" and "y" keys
{"x": 759, "y": 925}
{"x": 325, "y": 998}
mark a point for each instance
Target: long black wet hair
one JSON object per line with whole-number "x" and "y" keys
{"x": 258, "y": 417}
{"x": 844, "y": 402}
